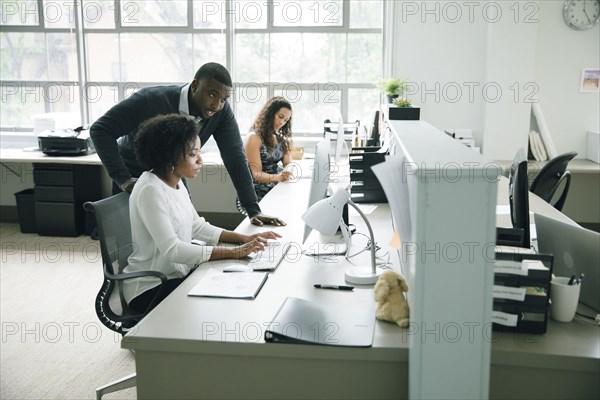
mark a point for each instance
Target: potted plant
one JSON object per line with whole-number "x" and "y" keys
{"x": 402, "y": 102}
{"x": 403, "y": 110}
{"x": 392, "y": 87}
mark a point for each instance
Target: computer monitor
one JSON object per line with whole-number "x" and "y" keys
{"x": 375, "y": 130}
{"x": 319, "y": 179}
{"x": 518, "y": 196}
{"x": 339, "y": 139}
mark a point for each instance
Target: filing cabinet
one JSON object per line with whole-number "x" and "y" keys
{"x": 60, "y": 191}
{"x": 365, "y": 187}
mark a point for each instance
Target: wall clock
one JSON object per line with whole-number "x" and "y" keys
{"x": 581, "y": 14}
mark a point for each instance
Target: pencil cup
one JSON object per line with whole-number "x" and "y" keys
{"x": 564, "y": 299}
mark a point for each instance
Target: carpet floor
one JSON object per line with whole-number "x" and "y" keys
{"x": 52, "y": 345}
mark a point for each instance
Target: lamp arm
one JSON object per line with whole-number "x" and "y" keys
{"x": 364, "y": 217}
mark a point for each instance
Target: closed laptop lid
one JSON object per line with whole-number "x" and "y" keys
{"x": 303, "y": 321}
{"x": 576, "y": 251}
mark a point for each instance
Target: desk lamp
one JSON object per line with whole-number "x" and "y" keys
{"x": 326, "y": 215}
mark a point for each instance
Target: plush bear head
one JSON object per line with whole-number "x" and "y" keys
{"x": 391, "y": 301}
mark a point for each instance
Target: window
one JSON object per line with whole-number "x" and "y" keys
{"x": 84, "y": 56}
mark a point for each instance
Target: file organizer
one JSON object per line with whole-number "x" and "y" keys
{"x": 365, "y": 187}
{"x": 532, "y": 311}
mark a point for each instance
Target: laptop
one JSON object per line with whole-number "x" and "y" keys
{"x": 576, "y": 251}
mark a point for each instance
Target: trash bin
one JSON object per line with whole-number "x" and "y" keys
{"x": 26, "y": 210}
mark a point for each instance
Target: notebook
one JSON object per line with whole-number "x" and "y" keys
{"x": 576, "y": 251}
{"x": 235, "y": 285}
{"x": 303, "y": 321}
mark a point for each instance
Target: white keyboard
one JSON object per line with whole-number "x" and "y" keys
{"x": 270, "y": 257}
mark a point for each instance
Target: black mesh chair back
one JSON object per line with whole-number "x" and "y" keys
{"x": 114, "y": 231}
{"x": 552, "y": 177}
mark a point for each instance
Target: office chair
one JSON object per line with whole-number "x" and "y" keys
{"x": 550, "y": 178}
{"x": 114, "y": 232}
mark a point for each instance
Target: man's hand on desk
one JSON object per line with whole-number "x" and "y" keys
{"x": 128, "y": 185}
{"x": 262, "y": 219}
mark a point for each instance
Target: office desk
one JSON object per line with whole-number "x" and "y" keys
{"x": 202, "y": 347}
{"x": 214, "y": 348}
{"x": 62, "y": 185}
{"x": 584, "y": 194}
{"x": 208, "y": 191}
{"x": 25, "y": 156}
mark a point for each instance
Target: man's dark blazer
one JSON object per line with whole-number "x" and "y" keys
{"x": 112, "y": 135}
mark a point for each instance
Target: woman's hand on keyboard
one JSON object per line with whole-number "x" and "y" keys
{"x": 264, "y": 235}
{"x": 253, "y": 246}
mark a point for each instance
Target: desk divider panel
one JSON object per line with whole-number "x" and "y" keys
{"x": 448, "y": 261}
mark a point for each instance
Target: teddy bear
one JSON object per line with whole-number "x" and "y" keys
{"x": 389, "y": 294}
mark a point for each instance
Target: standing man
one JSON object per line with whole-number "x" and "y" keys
{"x": 205, "y": 98}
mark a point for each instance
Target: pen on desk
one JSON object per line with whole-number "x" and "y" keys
{"x": 572, "y": 280}
{"x": 335, "y": 287}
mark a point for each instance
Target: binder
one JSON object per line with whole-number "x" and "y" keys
{"x": 301, "y": 321}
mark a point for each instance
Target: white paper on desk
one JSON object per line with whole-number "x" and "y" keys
{"x": 503, "y": 210}
{"x": 392, "y": 177}
{"x": 532, "y": 232}
{"x": 385, "y": 147}
{"x": 234, "y": 285}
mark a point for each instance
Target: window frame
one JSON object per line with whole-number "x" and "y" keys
{"x": 84, "y": 81}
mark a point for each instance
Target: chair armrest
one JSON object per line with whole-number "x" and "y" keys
{"x": 138, "y": 274}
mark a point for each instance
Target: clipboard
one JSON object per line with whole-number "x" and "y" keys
{"x": 235, "y": 285}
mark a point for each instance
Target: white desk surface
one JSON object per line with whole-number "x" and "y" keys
{"x": 294, "y": 277}
{"x": 36, "y": 156}
{"x": 212, "y": 336}
{"x": 30, "y": 156}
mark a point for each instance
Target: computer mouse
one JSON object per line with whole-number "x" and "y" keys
{"x": 237, "y": 268}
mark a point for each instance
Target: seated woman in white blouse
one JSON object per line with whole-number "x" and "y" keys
{"x": 163, "y": 219}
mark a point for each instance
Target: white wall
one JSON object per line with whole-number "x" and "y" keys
{"x": 476, "y": 65}
{"x": 561, "y": 54}
{"x": 437, "y": 56}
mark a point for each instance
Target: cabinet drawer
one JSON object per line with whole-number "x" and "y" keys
{"x": 55, "y": 193}
{"x": 360, "y": 185}
{"x": 53, "y": 176}
{"x": 367, "y": 196}
{"x": 58, "y": 219}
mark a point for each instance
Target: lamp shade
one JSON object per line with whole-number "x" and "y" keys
{"x": 326, "y": 214}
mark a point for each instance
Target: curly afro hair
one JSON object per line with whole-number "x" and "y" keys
{"x": 161, "y": 141}
{"x": 263, "y": 124}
